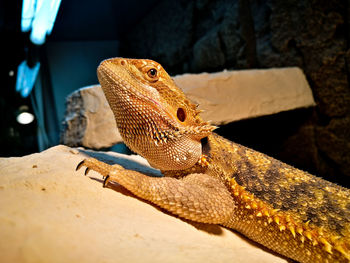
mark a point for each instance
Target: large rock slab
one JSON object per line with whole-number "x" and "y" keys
{"x": 235, "y": 95}
{"x": 51, "y": 213}
{"x": 224, "y": 96}
{"x": 89, "y": 121}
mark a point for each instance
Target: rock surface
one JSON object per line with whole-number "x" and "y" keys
{"x": 50, "y": 213}
{"x": 235, "y": 95}
{"x": 89, "y": 121}
{"x": 224, "y": 96}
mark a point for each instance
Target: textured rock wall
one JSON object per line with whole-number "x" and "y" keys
{"x": 203, "y": 35}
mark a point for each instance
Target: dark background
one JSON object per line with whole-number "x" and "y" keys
{"x": 195, "y": 36}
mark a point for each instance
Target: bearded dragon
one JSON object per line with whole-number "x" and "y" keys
{"x": 212, "y": 180}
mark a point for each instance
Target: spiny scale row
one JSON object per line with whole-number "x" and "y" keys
{"x": 205, "y": 128}
{"x": 285, "y": 221}
{"x": 161, "y": 136}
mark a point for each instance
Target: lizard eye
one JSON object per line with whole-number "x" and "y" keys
{"x": 181, "y": 114}
{"x": 152, "y": 74}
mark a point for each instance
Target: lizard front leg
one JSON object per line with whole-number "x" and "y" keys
{"x": 198, "y": 197}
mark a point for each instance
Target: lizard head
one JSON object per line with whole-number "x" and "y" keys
{"x": 153, "y": 115}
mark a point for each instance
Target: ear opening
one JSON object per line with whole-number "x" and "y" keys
{"x": 181, "y": 114}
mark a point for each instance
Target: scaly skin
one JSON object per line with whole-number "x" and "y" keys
{"x": 212, "y": 180}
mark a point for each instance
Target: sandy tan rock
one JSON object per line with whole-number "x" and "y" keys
{"x": 224, "y": 96}
{"x": 89, "y": 120}
{"x": 235, "y": 95}
{"x": 50, "y": 213}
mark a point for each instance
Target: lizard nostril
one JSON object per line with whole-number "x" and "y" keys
{"x": 122, "y": 62}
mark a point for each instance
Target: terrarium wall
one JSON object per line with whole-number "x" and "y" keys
{"x": 197, "y": 36}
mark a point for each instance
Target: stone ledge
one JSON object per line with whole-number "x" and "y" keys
{"x": 51, "y": 213}
{"x": 89, "y": 121}
{"x": 235, "y": 95}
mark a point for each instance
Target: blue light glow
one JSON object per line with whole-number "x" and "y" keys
{"x": 28, "y": 10}
{"x": 39, "y": 16}
{"x": 26, "y": 77}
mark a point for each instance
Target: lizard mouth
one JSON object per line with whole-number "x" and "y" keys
{"x": 117, "y": 81}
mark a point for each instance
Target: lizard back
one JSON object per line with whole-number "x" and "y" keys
{"x": 271, "y": 193}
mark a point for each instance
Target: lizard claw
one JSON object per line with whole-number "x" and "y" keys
{"x": 98, "y": 166}
{"x": 87, "y": 170}
{"x": 80, "y": 165}
{"x": 105, "y": 181}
